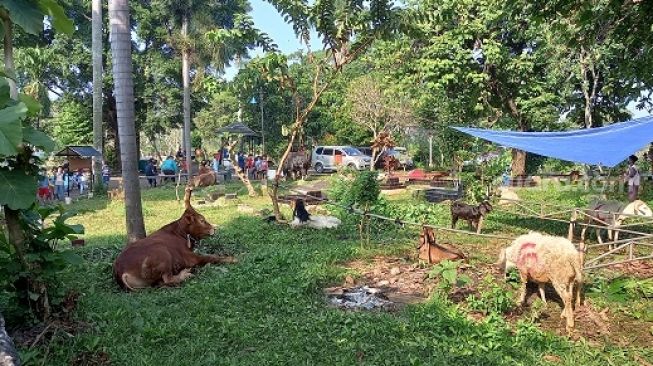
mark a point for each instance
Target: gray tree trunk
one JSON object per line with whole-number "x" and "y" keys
{"x": 9, "y": 57}
{"x": 96, "y": 32}
{"x": 124, "y": 91}
{"x": 185, "y": 74}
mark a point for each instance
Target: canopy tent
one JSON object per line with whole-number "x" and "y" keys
{"x": 79, "y": 151}
{"x": 248, "y": 135}
{"x": 237, "y": 129}
{"x": 606, "y": 146}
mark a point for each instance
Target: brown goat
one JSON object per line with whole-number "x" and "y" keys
{"x": 432, "y": 252}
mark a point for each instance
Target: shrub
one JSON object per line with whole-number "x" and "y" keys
{"x": 448, "y": 272}
{"x": 493, "y": 299}
{"x": 29, "y": 281}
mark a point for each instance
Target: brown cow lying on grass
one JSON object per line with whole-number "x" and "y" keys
{"x": 166, "y": 256}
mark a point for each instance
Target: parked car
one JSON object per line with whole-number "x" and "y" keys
{"x": 333, "y": 157}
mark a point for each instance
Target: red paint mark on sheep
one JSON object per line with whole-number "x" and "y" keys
{"x": 527, "y": 259}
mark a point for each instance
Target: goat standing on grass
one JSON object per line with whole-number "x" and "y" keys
{"x": 613, "y": 214}
{"x": 473, "y": 214}
{"x": 546, "y": 259}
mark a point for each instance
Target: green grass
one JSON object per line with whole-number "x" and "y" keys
{"x": 269, "y": 309}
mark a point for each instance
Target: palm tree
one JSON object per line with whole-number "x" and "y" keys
{"x": 124, "y": 92}
{"x": 96, "y": 37}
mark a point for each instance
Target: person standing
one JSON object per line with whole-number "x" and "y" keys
{"x": 215, "y": 163}
{"x": 649, "y": 155}
{"x": 249, "y": 165}
{"x": 106, "y": 174}
{"x": 633, "y": 178}
{"x": 241, "y": 161}
{"x": 264, "y": 167}
{"x": 59, "y": 183}
{"x": 84, "y": 176}
{"x": 44, "y": 187}
{"x": 151, "y": 173}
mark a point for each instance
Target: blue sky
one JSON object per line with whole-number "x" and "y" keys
{"x": 268, "y": 20}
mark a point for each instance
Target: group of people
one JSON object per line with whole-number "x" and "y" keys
{"x": 60, "y": 181}
{"x": 256, "y": 167}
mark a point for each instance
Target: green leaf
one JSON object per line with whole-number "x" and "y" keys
{"x": 38, "y": 138}
{"x": 26, "y": 14}
{"x": 17, "y": 189}
{"x": 11, "y": 134}
{"x": 72, "y": 258}
{"x": 77, "y": 228}
{"x": 5, "y": 96}
{"x": 33, "y": 106}
{"x": 449, "y": 275}
{"x": 33, "y": 296}
{"x": 60, "y": 21}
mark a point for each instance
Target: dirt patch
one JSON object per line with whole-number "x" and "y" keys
{"x": 401, "y": 280}
{"x": 61, "y": 323}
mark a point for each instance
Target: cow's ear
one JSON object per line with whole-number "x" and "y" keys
{"x": 189, "y": 218}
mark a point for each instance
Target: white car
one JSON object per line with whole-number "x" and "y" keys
{"x": 333, "y": 157}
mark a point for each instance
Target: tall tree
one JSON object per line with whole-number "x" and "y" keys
{"x": 483, "y": 65}
{"x": 97, "y": 52}
{"x": 374, "y": 108}
{"x": 347, "y": 30}
{"x": 121, "y": 48}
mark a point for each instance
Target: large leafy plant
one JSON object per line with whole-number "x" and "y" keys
{"x": 28, "y": 248}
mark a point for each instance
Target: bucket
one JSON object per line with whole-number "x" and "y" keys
{"x": 271, "y": 174}
{"x": 68, "y": 200}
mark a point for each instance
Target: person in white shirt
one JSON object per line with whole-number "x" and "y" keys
{"x": 633, "y": 178}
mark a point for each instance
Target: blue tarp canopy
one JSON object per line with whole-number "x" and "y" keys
{"x": 607, "y": 146}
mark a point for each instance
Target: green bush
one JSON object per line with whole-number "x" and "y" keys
{"x": 493, "y": 299}
{"x": 447, "y": 271}
{"x": 29, "y": 281}
{"x": 358, "y": 189}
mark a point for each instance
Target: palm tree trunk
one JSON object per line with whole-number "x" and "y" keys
{"x": 185, "y": 74}
{"x": 124, "y": 92}
{"x": 96, "y": 31}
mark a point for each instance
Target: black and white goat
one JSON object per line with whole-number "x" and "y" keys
{"x": 301, "y": 217}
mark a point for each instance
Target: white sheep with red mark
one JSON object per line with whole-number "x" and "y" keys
{"x": 546, "y": 259}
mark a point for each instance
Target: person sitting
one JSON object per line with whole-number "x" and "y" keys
{"x": 169, "y": 167}
{"x": 151, "y": 173}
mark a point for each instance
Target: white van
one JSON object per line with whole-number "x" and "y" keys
{"x": 333, "y": 157}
